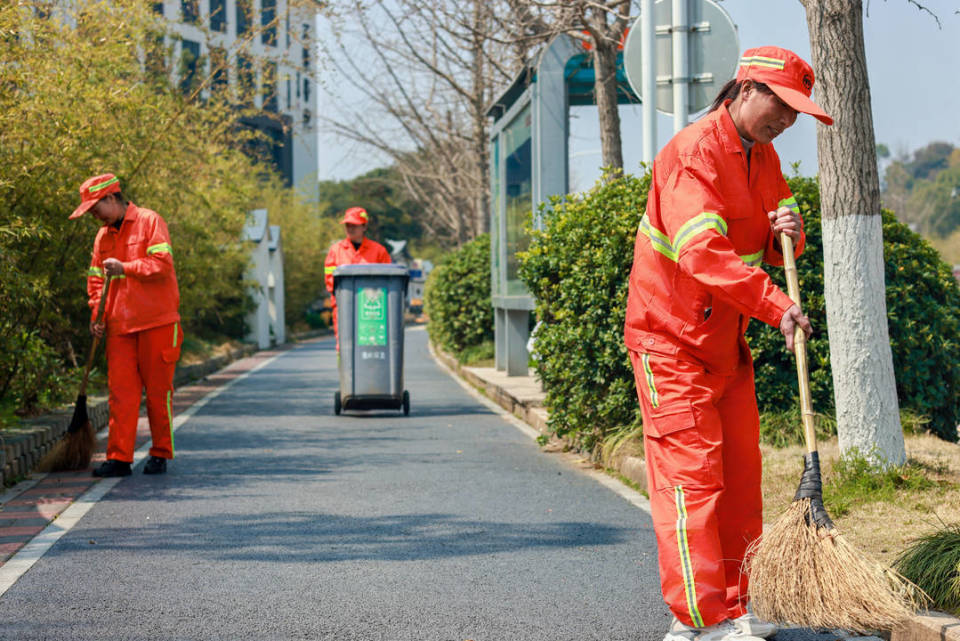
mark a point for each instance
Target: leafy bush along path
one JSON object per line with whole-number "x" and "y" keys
{"x": 578, "y": 266}
{"x": 458, "y": 301}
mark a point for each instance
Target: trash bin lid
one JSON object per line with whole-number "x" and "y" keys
{"x": 388, "y": 270}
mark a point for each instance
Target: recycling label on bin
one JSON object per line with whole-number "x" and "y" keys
{"x": 372, "y": 316}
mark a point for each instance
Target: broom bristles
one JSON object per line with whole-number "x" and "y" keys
{"x": 805, "y": 577}
{"x": 72, "y": 452}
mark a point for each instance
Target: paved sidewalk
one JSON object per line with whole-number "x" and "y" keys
{"x": 31, "y": 505}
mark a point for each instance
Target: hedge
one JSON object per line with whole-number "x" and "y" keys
{"x": 457, "y": 298}
{"x": 578, "y": 265}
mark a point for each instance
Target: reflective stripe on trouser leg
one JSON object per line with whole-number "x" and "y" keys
{"x": 651, "y": 385}
{"x": 158, "y": 360}
{"x": 683, "y": 448}
{"x": 686, "y": 564}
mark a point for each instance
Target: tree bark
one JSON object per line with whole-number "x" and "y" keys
{"x": 865, "y": 394}
{"x": 608, "y": 111}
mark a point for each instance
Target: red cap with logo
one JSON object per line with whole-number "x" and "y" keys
{"x": 787, "y": 74}
{"x": 355, "y": 216}
{"x": 93, "y": 189}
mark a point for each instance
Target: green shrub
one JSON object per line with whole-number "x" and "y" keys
{"x": 855, "y": 480}
{"x": 578, "y": 265}
{"x": 457, "y": 298}
{"x": 577, "y": 268}
{"x": 923, "y": 311}
{"x": 933, "y": 564}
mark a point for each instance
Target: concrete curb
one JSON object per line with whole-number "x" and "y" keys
{"x": 531, "y": 411}
{"x": 22, "y": 447}
{"x": 930, "y": 626}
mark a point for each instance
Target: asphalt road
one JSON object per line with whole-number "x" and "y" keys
{"x": 279, "y": 520}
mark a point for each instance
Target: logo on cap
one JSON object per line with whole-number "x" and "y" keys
{"x": 807, "y": 82}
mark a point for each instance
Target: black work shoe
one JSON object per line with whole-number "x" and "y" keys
{"x": 111, "y": 468}
{"x": 155, "y": 465}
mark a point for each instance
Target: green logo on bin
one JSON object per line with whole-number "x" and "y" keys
{"x": 372, "y": 316}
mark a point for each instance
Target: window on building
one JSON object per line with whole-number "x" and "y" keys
{"x": 268, "y": 15}
{"x": 269, "y": 84}
{"x": 190, "y": 10}
{"x": 218, "y": 15}
{"x": 306, "y": 90}
{"x": 306, "y": 118}
{"x": 244, "y": 16}
{"x": 219, "y": 70}
{"x": 158, "y": 8}
{"x": 246, "y": 77}
{"x": 298, "y": 85}
{"x": 289, "y": 94}
{"x": 189, "y": 64}
{"x": 287, "y": 27}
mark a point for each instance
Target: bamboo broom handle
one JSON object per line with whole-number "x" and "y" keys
{"x": 799, "y": 346}
{"x": 96, "y": 339}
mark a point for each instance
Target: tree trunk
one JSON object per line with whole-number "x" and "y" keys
{"x": 481, "y": 140}
{"x": 865, "y": 393}
{"x": 608, "y": 111}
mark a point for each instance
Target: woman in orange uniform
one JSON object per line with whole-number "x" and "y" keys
{"x": 717, "y": 205}
{"x": 143, "y": 331}
{"x": 356, "y": 248}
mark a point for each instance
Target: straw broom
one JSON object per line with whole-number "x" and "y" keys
{"x": 75, "y": 449}
{"x": 802, "y": 571}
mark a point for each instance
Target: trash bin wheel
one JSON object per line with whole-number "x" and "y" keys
{"x": 336, "y": 403}
{"x": 406, "y": 403}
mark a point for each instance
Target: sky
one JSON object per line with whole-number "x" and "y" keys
{"x": 914, "y": 81}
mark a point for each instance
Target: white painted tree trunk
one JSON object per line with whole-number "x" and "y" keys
{"x": 865, "y": 392}
{"x": 868, "y": 414}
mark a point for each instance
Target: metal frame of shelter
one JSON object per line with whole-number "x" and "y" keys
{"x": 529, "y": 163}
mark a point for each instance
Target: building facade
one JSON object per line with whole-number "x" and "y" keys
{"x": 269, "y": 45}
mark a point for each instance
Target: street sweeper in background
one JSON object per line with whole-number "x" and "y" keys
{"x": 718, "y": 203}
{"x": 355, "y": 249}
{"x": 140, "y": 320}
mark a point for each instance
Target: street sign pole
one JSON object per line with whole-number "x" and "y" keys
{"x": 649, "y": 108}
{"x": 681, "y": 68}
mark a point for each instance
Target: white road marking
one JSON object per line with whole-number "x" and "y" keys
{"x": 17, "y": 565}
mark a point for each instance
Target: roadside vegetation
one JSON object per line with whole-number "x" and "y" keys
{"x": 87, "y": 90}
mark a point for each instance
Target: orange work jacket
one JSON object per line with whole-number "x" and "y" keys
{"x": 146, "y": 295}
{"x": 343, "y": 253}
{"x": 696, "y": 278}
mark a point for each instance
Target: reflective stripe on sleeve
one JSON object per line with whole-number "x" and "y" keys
{"x": 161, "y": 247}
{"x": 753, "y": 259}
{"x": 329, "y": 269}
{"x": 790, "y": 202}
{"x": 95, "y": 271}
{"x": 687, "y": 232}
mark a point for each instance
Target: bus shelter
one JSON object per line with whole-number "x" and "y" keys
{"x": 529, "y": 163}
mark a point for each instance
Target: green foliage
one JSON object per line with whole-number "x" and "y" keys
{"x": 923, "y": 310}
{"x": 380, "y": 191}
{"x": 932, "y": 562}
{"x": 855, "y": 480}
{"x": 577, "y": 268}
{"x": 79, "y": 101}
{"x": 784, "y": 428}
{"x": 457, "y": 298}
{"x": 578, "y": 265}
{"x": 480, "y": 355}
{"x": 922, "y": 189}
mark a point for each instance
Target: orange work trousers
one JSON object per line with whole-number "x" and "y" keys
{"x": 136, "y": 362}
{"x": 701, "y": 436}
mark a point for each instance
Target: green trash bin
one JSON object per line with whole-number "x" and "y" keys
{"x": 370, "y": 306}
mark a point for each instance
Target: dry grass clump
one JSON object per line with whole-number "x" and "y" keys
{"x": 802, "y": 576}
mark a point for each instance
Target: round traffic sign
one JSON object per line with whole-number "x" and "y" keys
{"x": 713, "y": 53}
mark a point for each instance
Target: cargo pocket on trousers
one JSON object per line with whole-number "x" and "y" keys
{"x": 170, "y": 355}
{"x": 676, "y": 451}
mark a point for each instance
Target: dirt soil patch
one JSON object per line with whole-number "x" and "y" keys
{"x": 880, "y": 523}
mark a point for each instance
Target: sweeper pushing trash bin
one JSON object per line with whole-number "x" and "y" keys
{"x": 370, "y": 305}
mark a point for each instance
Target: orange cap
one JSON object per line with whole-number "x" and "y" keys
{"x": 93, "y": 189}
{"x": 787, "y": 74}
{"x": 355, "y": 216}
